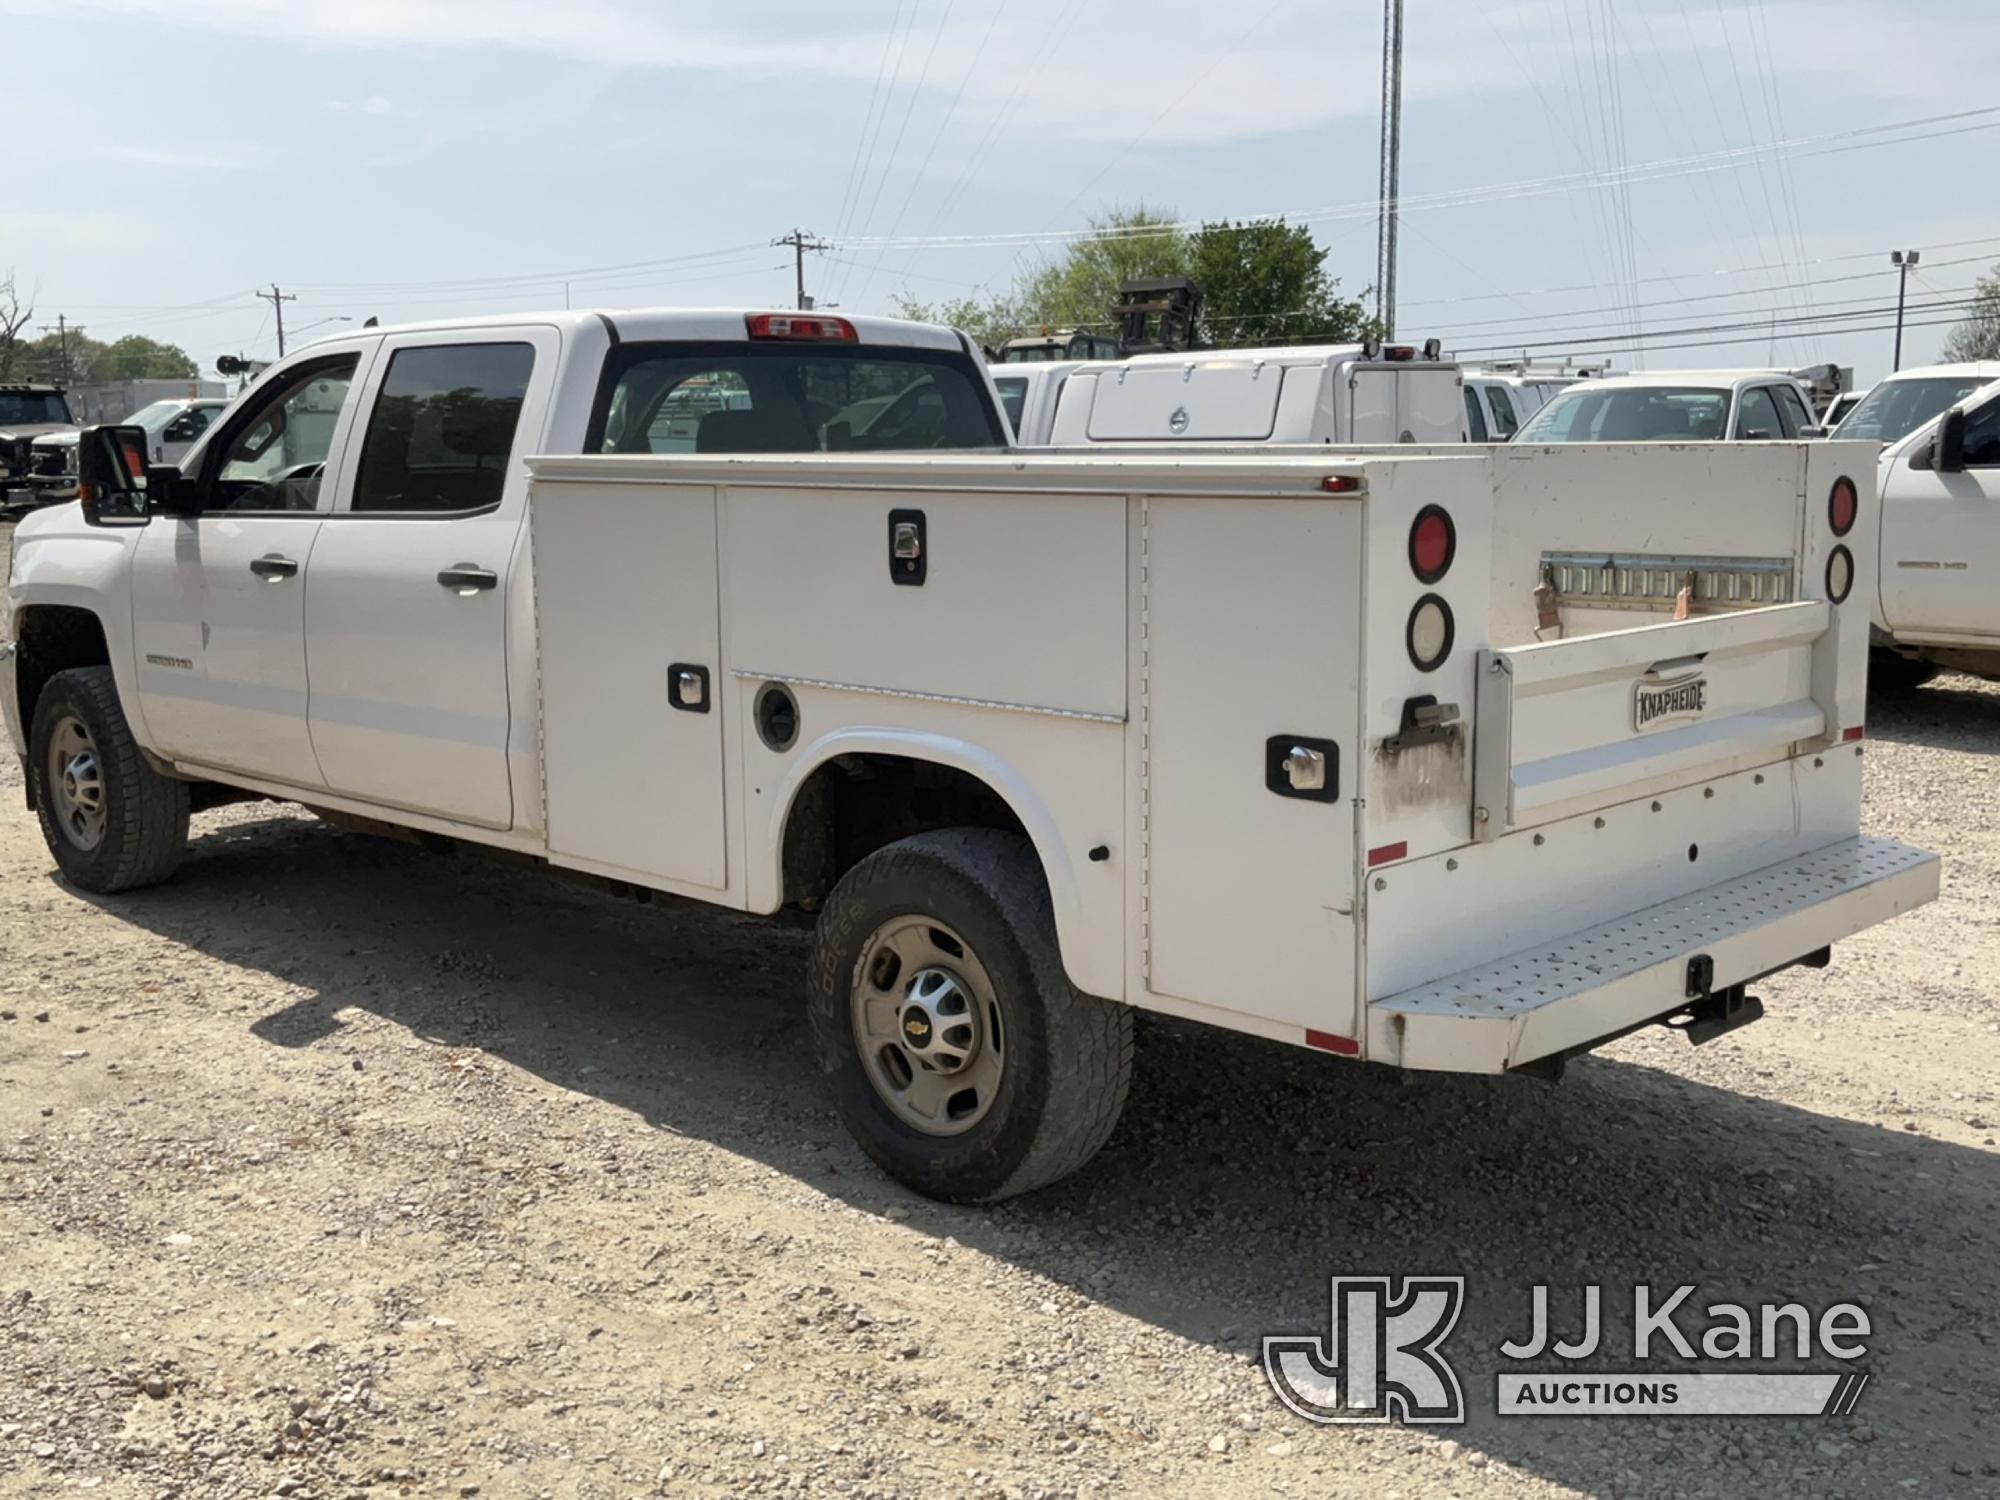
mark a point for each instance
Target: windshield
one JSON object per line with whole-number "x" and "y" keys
{"x": 790, "y": 398}
{"x": 1013, "y": 396}
{"x": 1644, "y": 414}
{"x": 1897, "y": 408}
{"x": 154, "y": 417}
{"x": 22, "y": 408}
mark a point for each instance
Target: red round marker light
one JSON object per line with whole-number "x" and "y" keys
{"x": 1433, "y": 544}
{"x": 1843, "y": 505}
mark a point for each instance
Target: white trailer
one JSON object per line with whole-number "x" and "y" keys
{"x": 1401, "y": 755}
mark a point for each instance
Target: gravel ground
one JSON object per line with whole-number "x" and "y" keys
{"x": 338, "y": 1168}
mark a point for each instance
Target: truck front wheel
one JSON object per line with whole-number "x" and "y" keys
{"x": 111, "y": 821}
{"x": 961, "y": 1057}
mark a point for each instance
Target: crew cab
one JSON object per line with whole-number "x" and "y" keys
{"x": 1289, "y": 741}
{"x": 1676, "y": 406}
{"x": 1937, "y": 595}
{"x": 1341, "y": 393}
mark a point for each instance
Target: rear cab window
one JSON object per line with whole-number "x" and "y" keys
{"x": 442, "y": 431}
{"x": 755, "y": 397}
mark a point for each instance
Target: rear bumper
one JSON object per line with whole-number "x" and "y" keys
{"x": 1597, "y": 983}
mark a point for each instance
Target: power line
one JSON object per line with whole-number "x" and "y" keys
{"x": 1665, "y": 168}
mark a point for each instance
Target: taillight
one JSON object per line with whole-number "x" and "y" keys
{"x": 1842, "y": 506}
{"x": 1433, "y": 543}
{"x": 1839, "y": 575}
{"x": 1428, "y": 634}
{"x": 800, "y": 326}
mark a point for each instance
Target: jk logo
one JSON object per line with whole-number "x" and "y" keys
{"x": 1380, "y": 1360}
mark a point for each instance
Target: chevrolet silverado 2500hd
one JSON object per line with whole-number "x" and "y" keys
{"x": 1300, "y": 743}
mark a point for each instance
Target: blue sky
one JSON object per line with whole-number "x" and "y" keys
{"x": 428, "y": 158}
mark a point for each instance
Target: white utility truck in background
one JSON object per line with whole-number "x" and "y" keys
{"x": 1321, "y": 394}
{"x": 1297, "y": 743}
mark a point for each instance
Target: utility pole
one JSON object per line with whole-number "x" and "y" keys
{"x": 1392, "y": 164}
{"x": 278, "y": 300}
{"x": 64, "y": 328}
{"x": 801, "y": 241}
{"x": 1902, "y": 260}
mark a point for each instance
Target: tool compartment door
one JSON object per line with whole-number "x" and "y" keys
{"x": 1251, "y": 634}
{"x": 625, "y": 602}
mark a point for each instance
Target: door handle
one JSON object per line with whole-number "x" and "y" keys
{"x": 467, "y": 578}
{"x": 271, "y": 567}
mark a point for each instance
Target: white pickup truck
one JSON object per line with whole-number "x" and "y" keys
{"x": 1937, "y": 595}
{"x": 1278, "y": 741}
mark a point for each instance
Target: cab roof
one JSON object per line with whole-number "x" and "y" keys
{"x": 708, "y": 324}
{"x": 1984, "y": 369}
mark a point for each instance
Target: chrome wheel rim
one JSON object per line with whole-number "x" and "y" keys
{"x": 76, "y": 784}
{"x": 927, "y": 1024}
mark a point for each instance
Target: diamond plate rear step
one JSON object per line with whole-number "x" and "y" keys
{"x": 1597, "y": 983}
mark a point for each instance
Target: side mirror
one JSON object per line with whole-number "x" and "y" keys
{"x": 111, "y": 475}
{"x": 1948, "y": 455}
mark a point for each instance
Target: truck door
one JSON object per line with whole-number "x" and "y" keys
{"x": 1941, "y": 539}
{"x": 218, "y": 598}
{"x": 410, "y": 588}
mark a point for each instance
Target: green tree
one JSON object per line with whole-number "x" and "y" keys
{"x": 1077, "y": 291}
{"x": 42, "y": 358}
{"x": 990, "y": 322}
{"x": 136, "y": 357}
{"x": 1266, "y": 283}
{"x": 1263, "y": 283}
{"x": 1978, "y": 337}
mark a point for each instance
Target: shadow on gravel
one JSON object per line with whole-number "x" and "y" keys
{"x": 1948, "y": 713}
{"x": 1244, "y": 1174}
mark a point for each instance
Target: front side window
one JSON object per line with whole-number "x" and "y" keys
{"x": 1897, "y": 408}
{"x": 1505, "y": 423}
{"x": 272, "y": 461}
{"x": 441, "y": 435}
{"x": 1757, "y": 415}
{"x": 1475, "y": 419}
{"x": 1982, "y": 437}
{"x": 780, "y": 398}
{"x": 1793, "y": 405}
{"x": 1630, "y": 415}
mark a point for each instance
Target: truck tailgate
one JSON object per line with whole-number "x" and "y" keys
{"x": 1566, "y": 726}
{"x": 1593, "y": 984}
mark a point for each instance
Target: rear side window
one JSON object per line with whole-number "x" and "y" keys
{"x": 1013, "y": 397}
{"x": 779, "y": 398}
{"x": 442, "y": 431}
{"x": 1475, "y": 419}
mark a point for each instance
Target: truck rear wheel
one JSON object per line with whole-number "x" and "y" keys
{"x": 111, "y": 821}
{"x": 961, "y": 1057}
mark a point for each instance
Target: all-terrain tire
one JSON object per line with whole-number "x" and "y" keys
{"x": 145, "y": 814}
{"x": 1068, "y": 1061}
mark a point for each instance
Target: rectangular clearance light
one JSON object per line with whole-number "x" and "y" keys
{"x": 1388, "y": 853}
